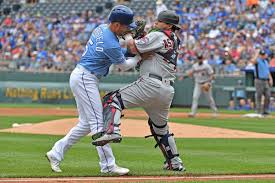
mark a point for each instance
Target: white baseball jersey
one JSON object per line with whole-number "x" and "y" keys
{"x": 202, "y": 73}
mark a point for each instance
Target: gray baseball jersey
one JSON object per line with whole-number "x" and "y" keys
{"x": 156, "y": 42}
{"x": 202, "y": 73}
{"x": 154, "y": 95}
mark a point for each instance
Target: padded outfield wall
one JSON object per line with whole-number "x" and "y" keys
{"x": 54, "y": 88}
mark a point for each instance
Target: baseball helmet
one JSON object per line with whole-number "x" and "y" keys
{"x": 169, "y": 17}
{"x": 123, "y": 15}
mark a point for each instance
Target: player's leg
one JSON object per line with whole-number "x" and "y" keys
{"x": 137, "y": 94}
{"x": 158, "y": 112}
{"x": 267, "y": 95}
{"x": 92, "y": 107}
{"x": 195, "y": 101}
{"x": 84, "y": 86}
{"x": 211, "y": 101}
{"x": 258, "y": 95}
{"x": 165, "y": 139}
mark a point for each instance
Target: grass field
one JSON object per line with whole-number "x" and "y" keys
{"x": 22, "y": 155}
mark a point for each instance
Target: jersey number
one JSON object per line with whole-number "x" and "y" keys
{"x": 168, "y": 44}
{"x": 86, "y": 48}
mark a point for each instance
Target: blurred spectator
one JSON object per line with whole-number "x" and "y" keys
{"x": 222, "y": 30}
{"x": 160, "y": 6}
{"x": 230, "y": 68}
{"x": 272, "y": 62}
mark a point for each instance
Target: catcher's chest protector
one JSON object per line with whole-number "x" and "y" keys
{"x": 172, "y": 54}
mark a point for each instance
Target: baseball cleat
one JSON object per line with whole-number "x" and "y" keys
{"x": 190, "y": 115}
{"x": 174, "y": 165}
{"x": 120, "y": 170}
{"x": 107, "y": 138}
{"x": 54, "y": 162}
{"x": 178, "y": 167}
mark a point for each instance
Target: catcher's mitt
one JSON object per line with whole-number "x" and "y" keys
{"x": 206, "y": 86}
{"x": 139, "y": 32}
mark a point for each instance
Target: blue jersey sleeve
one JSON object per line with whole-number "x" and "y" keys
{"x": 115, "y": 55}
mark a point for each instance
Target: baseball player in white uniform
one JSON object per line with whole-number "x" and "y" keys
{"x": 153, "y": 91}
{"x": 102, "y": 50}
{"x": 203, "y": 75}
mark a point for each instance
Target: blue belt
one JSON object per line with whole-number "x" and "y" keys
{"x": 82, "y": 67}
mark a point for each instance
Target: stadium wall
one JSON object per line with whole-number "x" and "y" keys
{"x": 54, "y": 88}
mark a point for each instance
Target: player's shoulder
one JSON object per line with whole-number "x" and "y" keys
{"x": 155, "y": 34}
{"x": 109, "y": 38}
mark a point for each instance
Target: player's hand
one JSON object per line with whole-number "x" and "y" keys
{"x": 270, "y": 82}
{"x": 139, "y": 32}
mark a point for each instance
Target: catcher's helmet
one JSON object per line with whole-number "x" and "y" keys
{"x": 169, "y": 17}
{"x": 123, "y": 15}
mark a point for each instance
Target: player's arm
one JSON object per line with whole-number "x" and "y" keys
{"x": 117, "y": 57}
{"x": 148, "y": 43}
{"x": 211, "y": 74}
{"x": 270, "y": 80}
{"x": 254, "y": 59}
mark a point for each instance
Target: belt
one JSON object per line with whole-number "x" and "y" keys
{"x": 263, "y": 79}
{"x": 160, "y": 78}
{"x": 84, "y": 69}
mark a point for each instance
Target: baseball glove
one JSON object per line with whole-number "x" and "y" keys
{"x": 139, "y": 32}
{"x": 206, "y": 86}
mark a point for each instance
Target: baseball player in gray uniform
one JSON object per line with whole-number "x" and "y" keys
{"x": 153, "y": 90}
{"x": 203, "y": 75}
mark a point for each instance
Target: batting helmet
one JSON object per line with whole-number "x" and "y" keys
{"x": 169, "y": 17}
{"x": 123, "y": 15}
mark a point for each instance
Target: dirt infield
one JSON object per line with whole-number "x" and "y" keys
{"x": 129, "y": 127}
{"x": 141, "y": 178}
{"x": 139, "y": 128}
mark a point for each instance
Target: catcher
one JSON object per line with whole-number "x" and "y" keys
{"x": 153, "y": 91}
{"x": 203, "y": 75}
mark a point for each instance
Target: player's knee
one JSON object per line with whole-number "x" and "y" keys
{"x": 112, "y": 107}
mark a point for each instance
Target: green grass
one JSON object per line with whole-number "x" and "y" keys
{"x": 261, "y": 125}
{"x": 7, "y": 121}
{"x": 23, "y": 156}
{"x": 173, "y": 109}
{"x": 34, "y": 105}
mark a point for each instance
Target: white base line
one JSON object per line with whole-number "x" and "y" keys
{"x": 126, "y": 178}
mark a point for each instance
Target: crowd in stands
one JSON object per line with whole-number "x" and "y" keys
{"x": 227, "y": 31}
{"x": 50, "y": 43}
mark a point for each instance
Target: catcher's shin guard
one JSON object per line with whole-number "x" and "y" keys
{"x": 112, "y": 107}
{"x": 167, "y": 145}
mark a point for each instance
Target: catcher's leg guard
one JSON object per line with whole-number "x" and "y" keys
{"x": 167, "y": 145}
{"x": 112, "y": 107}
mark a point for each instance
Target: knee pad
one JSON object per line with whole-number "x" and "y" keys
{"x": 166, "y": 143}
{"x": 112, "y": 107}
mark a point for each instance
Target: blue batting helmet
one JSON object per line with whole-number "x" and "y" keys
{"x": 123, "y": 15}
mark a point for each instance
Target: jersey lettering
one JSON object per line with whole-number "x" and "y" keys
{"x": 168, "y": 44}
